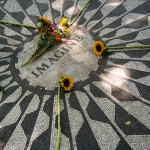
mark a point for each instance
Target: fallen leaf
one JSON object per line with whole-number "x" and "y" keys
{"x": 128, "y": 123}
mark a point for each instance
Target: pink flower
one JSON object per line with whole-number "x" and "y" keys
{"x": 64, "y": 40}
{"x": 53, "y": 27}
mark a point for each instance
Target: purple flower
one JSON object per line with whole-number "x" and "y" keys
{"x": 53, "y": 27}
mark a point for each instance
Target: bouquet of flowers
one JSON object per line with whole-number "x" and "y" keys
{"x": 50, "y": 36}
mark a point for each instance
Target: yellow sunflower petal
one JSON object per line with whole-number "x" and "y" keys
{"x": 60, "y": 80}
{"x": 44, "y": 18}
{"x": 98, "y": 48}
{"x": 66, "y": 82}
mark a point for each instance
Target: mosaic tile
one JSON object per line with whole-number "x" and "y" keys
{"x": 109, "y": 91}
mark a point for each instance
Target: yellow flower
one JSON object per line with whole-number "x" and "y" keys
{"x": 98, "y": 48}
{"x": 63, "y": 22}
{"x": 41, "y": 17}
{"x": 67, "y": 31}
{"x": 66, "y": 82}
{"x": 45, "y": 19}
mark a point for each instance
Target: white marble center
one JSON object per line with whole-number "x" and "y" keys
{"x": 75, "y": 58}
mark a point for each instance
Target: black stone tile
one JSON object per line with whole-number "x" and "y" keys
{"x": 96, "y": 91}
{"x": 3, "y": 63}
{"x": 115, "y": 24}
{"x": 1, "y": 30}
{"x": 4, "y": 40}
{"x": 34, "y": 20}
{"x": 42, "y": 141}
{"x": 144, "y": 90}
{"x": 147, "y": 63}
{"x": 139, "y": 23}
{"x": 109, "y": 35}
{"x": 95, "y": 113}
{"x": 135, "y": 74}
{"x": 25, "y": 4}
{"x": 142, "y": 9}
{"x": 123, "y": 145}
{"x": 130, "y": 36}
{"x": 118, "y": 11}
{"x": 138, "y": 54}
{"x": 5, "y": 134}
{"x": 2, "y": 14}
{"x": 118, "y": 61}
{"x": 19, "y": 16}
{"x": 73, "y": 102}
{"x": 42, "y": 7}
{"x": 82, "y": 21}
{"x": 113, "y": 1}
{"x": 67, "y": 4}
{"x": 85, "y": 138}
{"x": 25, "y": 102}
{"x": 9, "y": 91}
{"x": 5, "y": 109}
{"x": 28, "y": 123}
{"x": 122, "y": 95}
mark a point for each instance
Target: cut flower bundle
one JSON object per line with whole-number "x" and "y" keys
{"x": 50, "y": 36}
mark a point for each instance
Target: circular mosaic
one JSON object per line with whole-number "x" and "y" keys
{"x": 108, "y": 107}
{"x": 74, "y": 58}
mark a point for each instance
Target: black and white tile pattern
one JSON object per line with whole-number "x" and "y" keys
{"x": 108, "y": 92}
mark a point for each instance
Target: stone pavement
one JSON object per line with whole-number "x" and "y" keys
{"x": 109, "y": 106}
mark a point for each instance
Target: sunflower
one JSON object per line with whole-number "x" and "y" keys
{"x": 45, "y": 20}
{"x": 98, "y": 48}
{"x": 42, "y": 30}
{"x": 66, "y": 82}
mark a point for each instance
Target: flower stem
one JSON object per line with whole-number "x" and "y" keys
{"x": 79, "y": 13}
{"x": 59, "y": 127}
{"x": 18, "y": 24}
{"x": 127, "y": 47}
{"x": 36, "y": 56}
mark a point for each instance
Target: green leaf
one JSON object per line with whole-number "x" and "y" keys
{"x": 2, "y": 89}
{"x": 106, "y": 52}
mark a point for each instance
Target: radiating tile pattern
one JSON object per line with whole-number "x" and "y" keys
{"x": 108, "y": 92}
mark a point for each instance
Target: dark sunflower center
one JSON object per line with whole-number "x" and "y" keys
{"x": 66, "y": 82}
{"x": 99, "y": 48}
